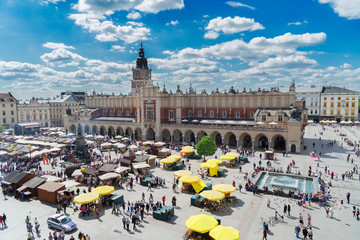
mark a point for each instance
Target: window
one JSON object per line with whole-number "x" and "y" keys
{"x": 353, "y": 98}
{"x": 40, "y": 117}
{"x": 111, "y": 112}
{"x": 251, "y": 115}
{"x": 346, "y": 112}
{"x": 311, "y": 111}
{"x": 347, "y": 98}
{"x": 211, "y": 114}
{"x": 224, "y": 114}
{"x": 150, "y": 112}
{"x": 324, "y": 112}
{"x": 280, "y": 118}
{"x": 353, "y": 104}
{"x": 311, "y": 104}
{"x": 347, "y": 104}
{"x": 190, "y": 113}
{"x": 4, "y": 113}
{"x": 316, "y": 103}
{"x": 119, "y": 113}
{"x": 339, "y": 98}
{"x": 171, "y": 114}
{"x": 237, "y": 114}
{"x": 338, "y": 112}
{"x": 315, "y": 111}
{"x": 45, "y": 116}
{"x": 199, "y": 113}
{"x": 3, "y": 105}
{"x": 34, "y": 117}
{"x": 332, "y": 104}
{"x": 4, "y": 120}
{"x": 339, "y": 104}
{"x": 332, "y": 98}
{"x": 12, "y": 105}
{"x": 331, "y": 112}
{"x": 352, "y": 113}
{"x": 263, "y": 118}
{"x": 324, "y": 104}
{"x": 127, "y": 113}
{"x": 325, "y": 98}
{"x": 12, "y": 120}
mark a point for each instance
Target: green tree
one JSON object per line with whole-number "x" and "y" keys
{"x": 2, "y": 129}
{"x": 206, "y": 146}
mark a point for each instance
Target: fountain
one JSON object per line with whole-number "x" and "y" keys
{"x": 284, "y": 182}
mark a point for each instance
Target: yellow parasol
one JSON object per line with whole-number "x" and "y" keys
{"x": 178, "y": 157}
{"x": 86, "y": 198}
{"x": 187, "y": 150}
{"x": 182, "y": 173}
{"x": 224, "y": 188}
{"x": 189, "y": 179}
{"x": 228, "y": 157}
{"x": 103, "y": 190}
{"x": 233, "y": 154}
{"x": 212, "y": 195}
{"x": 217, "y": 161}
{"x": 201, "y": 223}
{"x": 224, "y": 233}
{"x": 209, "y": 165}
{"x": 169, "y": 160}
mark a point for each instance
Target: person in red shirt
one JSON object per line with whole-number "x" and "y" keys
{"x": 163, "y": 199}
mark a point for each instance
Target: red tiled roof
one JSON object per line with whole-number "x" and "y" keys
{"x": 7, "y": 97}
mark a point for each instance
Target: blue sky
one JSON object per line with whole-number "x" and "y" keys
{"x": 48, "y": 46}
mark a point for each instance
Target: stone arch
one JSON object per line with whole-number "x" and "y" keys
{"x": 73, "y": 129}
{"x": 111, "y": 132}
{"x": 150, "y": 134}
{"x": 165, "y": 135}
{"x": 245, "y": 141}
{"x": 178, "y": 137}
{"x": 261, "y": 141}
{"x": 201, "y": 134}
{"x": 128, "y": 132}
{"x": 216, "y": 136}
{"x": 102, "y": 131}
{"x": 94, "y": 130}
{"x": 119, "y": 131}
{"x": 293, "y": 148}
{"x": 138, "y": 133}
{"x": 279, "y": 143}
{"x": 87, "y": 129}
{"x": 189, "y": 136}
{"x": 230, "y": 140}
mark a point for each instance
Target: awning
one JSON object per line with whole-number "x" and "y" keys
{"x": 141, "y": 165}
{"x": 21, "y": 188}
{"x": 6, "y": 183}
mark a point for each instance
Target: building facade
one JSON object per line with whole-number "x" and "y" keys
{"x": 8, "y": 108}
{"x": 339, "y": 104}
{"x": 35, "y": 111}
{"x": 233, "y": 117}
{"x": 60, "y": 106}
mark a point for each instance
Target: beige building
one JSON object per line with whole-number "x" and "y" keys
{"x": 60, "y": 106}
{"x": 8, "y": 108}
{"x": 35, "y": 111}
{"x": 250, "y": 119}
{"x": 339, "y": 104}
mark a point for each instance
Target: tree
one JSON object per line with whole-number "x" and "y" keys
{"x": 2, "y": 129}
{"x": 206, "y": 146}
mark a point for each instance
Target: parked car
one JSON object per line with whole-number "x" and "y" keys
{"x": 61, "y": 221}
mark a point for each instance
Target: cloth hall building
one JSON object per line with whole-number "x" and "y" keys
{"x": 245, "y": 119}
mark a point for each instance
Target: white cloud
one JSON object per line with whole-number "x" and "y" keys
{"x": 349, "y": 9}
{"x": 117, "y": 48}
{"x": 62, "y": 57}
{"x": 51, "y": 1}
{"x": 288, "y": 62}
{"x": 173, "y": 23}
{"x": 53, "y": 45}
{"x": 211, "y": 35}
{"x": 346, "y": 65}
{"x": 297, "y": 23}
{"x": 133, "y": 15}
{"x": 230, "y": 25}
{"x": 206, "y": 16}
{"x": 238, "y": 4}
{"x": 106, "y": 31}
{"x": 108, "y": 7}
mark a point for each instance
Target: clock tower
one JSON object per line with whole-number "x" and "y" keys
{"x": 142, "y": 73}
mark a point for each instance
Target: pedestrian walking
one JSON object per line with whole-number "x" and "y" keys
{"x": 4, "y": 219}
{"x": 297, "y": 231}
{"x": 268, "y": 202}
{"x": 149, "y": 186}
{"x": 240, "y": 187}
{"x": 348, "y": 197}
{"x": 309, "y": 219}
{"x": 124, "y": 221}
{"x": 305, "y": 232}
{"x": 163, "y": 200}
{"x": 288, "y": 209}
{"x": 285, "y": 209}
{"x": 310, "y": 233}
{"x": 264, "y": 234}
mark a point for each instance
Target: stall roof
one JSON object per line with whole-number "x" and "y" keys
{"x": 34, "y": 182}
{"x": 141, "y": 158}
{"x": 51, "y": 186}
{"x": 122, "y": 160}
{"x": 90, "y": 171}
{"x": 107, "y": 167}
{"x": 129, "y": 153}
{"x": 15, "y": 176}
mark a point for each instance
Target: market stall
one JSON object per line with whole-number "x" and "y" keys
{"x": 200, "y": 225}
{"x": 48, "y": 191}
{"x": 212, "y": 199}
{"x": 269, "y": 154}
{"x": 181, "y": 173}
{"x": 142, "y": 169}
{"x": 212, "y": 168}
{"x": 224, "y": 233}
{"x": 190, "y": 182}
{"x": 225, "y": 189}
